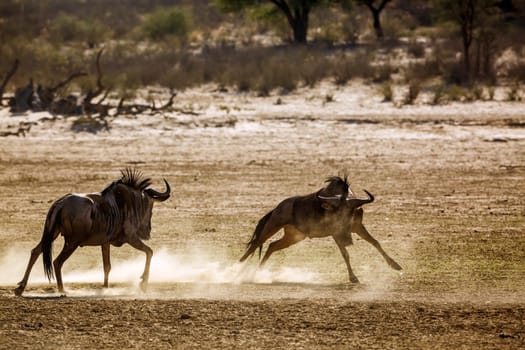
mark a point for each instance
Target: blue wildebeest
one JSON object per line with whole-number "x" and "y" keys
{"x": 327, "y": 212}
{"x": 120, "y": 214}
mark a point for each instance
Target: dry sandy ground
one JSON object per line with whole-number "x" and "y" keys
{"x": 449, "y": 186}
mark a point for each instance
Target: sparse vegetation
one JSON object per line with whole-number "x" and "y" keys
{"x": 194, "y": 43}
{"x": 513, "y": 93}
{"x": 477, "y": 93}
{"x": 346, "y": 68}
{"x": 166, "y": 23}
{"x": 387, "y": 92}
{"x": 437, "y": 98}
{"x": 416, "y": 49}
{"x": 69, "y": 28}
{"x": 414, "y": 87}
{"x": 491, "y": 92}
{"x": 455, "y": 93}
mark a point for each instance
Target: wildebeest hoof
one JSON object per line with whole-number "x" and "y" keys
{"x": 394, "y": 265}
{"x": 18, "y": 291}
{"x": 354, "y": 279}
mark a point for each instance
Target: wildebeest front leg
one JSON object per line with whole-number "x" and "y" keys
{"x": 107, "y": 263}
{"x": 138, "y": 244}
{"x": 342, "y": 248}
{"x": 35, "y": 252}
{"x": 360, "y": 229}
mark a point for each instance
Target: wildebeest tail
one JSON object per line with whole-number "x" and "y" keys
{"x": 253, "y": 244}
{"x": 49, "y": 235}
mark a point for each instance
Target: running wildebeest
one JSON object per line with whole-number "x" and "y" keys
{"x": 120, "y": 214}
{"x": 327, "y": 212}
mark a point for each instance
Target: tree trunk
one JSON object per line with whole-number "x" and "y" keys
{"x": 466, "y": 17}
{"x": 376, "y": 15}
{"x": 466, "y": 55}
{"x": 8, "y": 77}
{"x": 23, "y": 99}
{"x": 377, "y": 24}
{"x": 297, "y": 19}
{"x": 300, "y": 30}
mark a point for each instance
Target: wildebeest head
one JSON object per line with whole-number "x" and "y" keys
{"x": 334, "y": 193}
{"x": 135, "y": 200}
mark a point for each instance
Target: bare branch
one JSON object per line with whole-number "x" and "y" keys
{"x": 67, "y": 81}
{"x": 100, "y": 87}
{"x": 8, "y": 77}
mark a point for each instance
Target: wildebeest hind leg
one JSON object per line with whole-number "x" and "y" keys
{"x": 35, "y": 252}
{"x": 267, "y": 233}
{"x": 291, "y": 236}
{"x": 59, "y": 261}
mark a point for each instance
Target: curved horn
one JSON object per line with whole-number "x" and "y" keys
{"x": 357, "y": 202}
{"x": 337, "y": 196}
{"x": 330, "y": 202}
{"x": 158, "y": 195}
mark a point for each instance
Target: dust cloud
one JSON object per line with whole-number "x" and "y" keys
{"x": 196, "y": 273}
{"x": 166, "y": 268}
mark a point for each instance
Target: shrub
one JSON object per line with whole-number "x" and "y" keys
{"x": 416, "y": 49}
{"x": 438, "y": 95}
{"x": 454, "y": 73}
{"x": 355, "y": 66}
{"x": 166, "y": 22}
{"x": 428, "y": 69}
{"x": 513, "y": 93}
{"x": 476, "y": 93}
{"x": 455, "y": 92}
{"x": 387, "y": 92}
{"x": 491, "y": 91}
{"x": 517, "y": 72}
{"x": 314, "y": 68}
{"x": 413, "y": 92}
{"x": 382, "y": 73}
{"x": 69, "y": 28}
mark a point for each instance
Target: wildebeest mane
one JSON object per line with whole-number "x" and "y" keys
{"x": 338, "y": 179}
{"x": 343, "y": 179}
{"x": 134, "y": 178}
{"x": 131, "y": 178}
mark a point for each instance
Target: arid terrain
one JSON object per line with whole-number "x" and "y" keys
{"x": 450, "y": 208}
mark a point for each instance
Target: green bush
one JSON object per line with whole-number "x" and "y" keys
{"x": 166, "y": 22}
{"x": 69, "y": 28}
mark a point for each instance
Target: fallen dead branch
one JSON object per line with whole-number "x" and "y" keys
{"x": 23, "y": 129}
{"x": 137, "y": 108}
{"x": 46, "y": 98}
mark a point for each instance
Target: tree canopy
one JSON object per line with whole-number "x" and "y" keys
{"x": 296, "y": 12}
